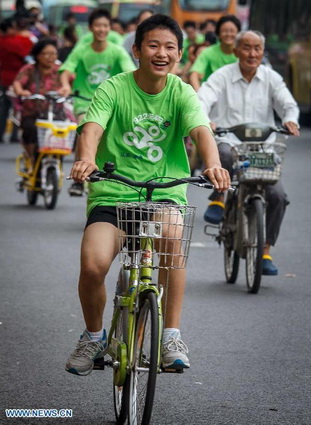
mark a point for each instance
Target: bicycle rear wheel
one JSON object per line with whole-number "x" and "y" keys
{"x": 254, "y": 244}
{"x": 32, "y": 197}
{"x": 145, "y": 364}
{"x": 51, "y": 192}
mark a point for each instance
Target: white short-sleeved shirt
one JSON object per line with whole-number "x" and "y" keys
{"x": 228, "y": 99}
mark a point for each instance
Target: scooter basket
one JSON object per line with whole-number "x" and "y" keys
{"x": 56, "y": 136}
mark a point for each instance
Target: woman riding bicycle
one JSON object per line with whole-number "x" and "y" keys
{"x": 38, "y": 78}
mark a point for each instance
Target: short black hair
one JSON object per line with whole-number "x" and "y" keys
{"x": 228, "y": 18}
{"x": 99, "y": 13}
{"x": 158, "y": 21}
{"x": 190, "y": 24}
{"x": 40, "y": 45}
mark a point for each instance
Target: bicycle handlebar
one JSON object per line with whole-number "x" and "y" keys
{"x": 251, "y": 131}
{"x": 54, "y": 96}
{"x": 108, "y": 174}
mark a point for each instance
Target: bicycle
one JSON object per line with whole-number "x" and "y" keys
{"x": 134, "y": 338}
{"x": 256, "y": 163}
{"x": 55, "y": 140}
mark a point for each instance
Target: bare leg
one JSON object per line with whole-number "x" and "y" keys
{"x": 99, "y": 248}
{"x": 174, "y": 296}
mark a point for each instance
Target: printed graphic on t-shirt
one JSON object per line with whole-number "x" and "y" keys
{"x": 98, "y": 74}
{"x": 145, "y": 138}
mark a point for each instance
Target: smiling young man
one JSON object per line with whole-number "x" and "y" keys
{"x": 137, "y": 120}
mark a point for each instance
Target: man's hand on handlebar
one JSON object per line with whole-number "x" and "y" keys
{"x": 292, "y": 128}
{"x": 219, "y": 177}
{"x": 81, "y": 169}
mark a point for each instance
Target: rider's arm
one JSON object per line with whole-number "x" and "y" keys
{"x": 284, "y": 104}
{"x": 208, "y": 151}
{"x": 65, "y": 79}
{"x": 88, "y": 141}
{"x": 195, "y": 80}
{"x": 19, "y": 90}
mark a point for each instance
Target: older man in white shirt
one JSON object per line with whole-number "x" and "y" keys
{"x": 245, "y": 92}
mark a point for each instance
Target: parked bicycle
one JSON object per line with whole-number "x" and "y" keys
{"x": 134, "y": 339}
{"x": 257, "y": 163}
{"x": 55, "y": 140}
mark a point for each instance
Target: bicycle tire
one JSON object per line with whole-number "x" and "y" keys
{"x": 32, "y": 197}
{"x": 231, "y": 264}
{"x": 50, "y": 194}
{"x": 231, "y": 257}
{"x": 121, "y": 394}
{"x": 146, "y": 345}
{"x": 254, "y": 245}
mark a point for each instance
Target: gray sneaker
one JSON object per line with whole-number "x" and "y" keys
{"x": 174, "y": 354}
{"x": 81, "y": 361}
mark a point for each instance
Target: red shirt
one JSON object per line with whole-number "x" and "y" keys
{"x": 13, "y": 49}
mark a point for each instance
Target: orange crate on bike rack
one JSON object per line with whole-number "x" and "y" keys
{"x": 168, "y": 225}
{"x": 56, "y": 136}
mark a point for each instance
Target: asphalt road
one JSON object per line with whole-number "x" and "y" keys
{"x": 250, "y": 354}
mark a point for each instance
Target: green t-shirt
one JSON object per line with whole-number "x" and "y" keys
{"x": 199, "y": 39}
{"x": 92, "y": 68}
{"x": 143, "y": 136}
{"x": 211, "y": 59}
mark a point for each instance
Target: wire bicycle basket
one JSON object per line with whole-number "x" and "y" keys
{"x": 258, "y": 162}
{"x": 56, "y": 136}
{"x": 169, "y": 225}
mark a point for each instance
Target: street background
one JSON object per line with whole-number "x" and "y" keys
{"x": 250, "y": 354}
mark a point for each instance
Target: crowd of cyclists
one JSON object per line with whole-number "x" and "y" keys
{"x": 130, "y": 79}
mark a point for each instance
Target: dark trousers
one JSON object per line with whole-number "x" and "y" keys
{"x": 276, "y": 198}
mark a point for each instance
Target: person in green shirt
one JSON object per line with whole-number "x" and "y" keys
{"x": 91, "y": 63}
{"x": 193, "y": 37}
{"x": 217, "y": 55}
{"x": 137, "y": 120}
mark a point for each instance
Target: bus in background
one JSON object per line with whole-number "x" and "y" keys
{"x": 55, "y": 11}
{"x": 198, "y": 10}
{"x": 286, "y": 25}
{"x": 126, "y": 10}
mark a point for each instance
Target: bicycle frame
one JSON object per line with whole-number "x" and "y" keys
{"x": 140, "y": 280}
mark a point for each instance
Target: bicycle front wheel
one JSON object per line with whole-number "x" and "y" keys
{"x": 121, "y": 392}
{"x": 254, "y": 244}
{"x": 231, "y": 263}
{"x": 145, "y": 365}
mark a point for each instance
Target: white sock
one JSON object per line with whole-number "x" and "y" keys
{"x": 170, "y": 333}
{"x": 96, "y": 336}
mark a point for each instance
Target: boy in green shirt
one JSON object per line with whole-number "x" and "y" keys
{"x": 137, "y": 120}
{"x": 217, "y": 55}
{"x": 91, "y": 63}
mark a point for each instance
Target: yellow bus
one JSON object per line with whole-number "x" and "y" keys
{"x": 198, "y": 10}
{"x": 286, "y": 25}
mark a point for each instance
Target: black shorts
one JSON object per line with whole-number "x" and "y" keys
{"x": 103, "y": 214}
{"x": 108, "y": 214}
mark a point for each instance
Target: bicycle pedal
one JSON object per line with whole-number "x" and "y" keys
{"x": 99, "y": 364}
{"x": 171, "y": 370}
{"x": 211, "y": 230}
